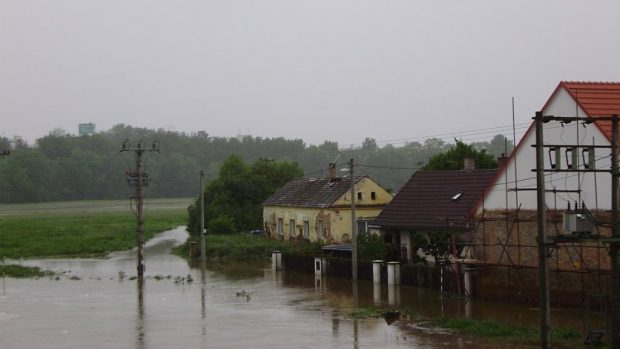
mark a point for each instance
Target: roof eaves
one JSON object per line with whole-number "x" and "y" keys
{"x": 575, "y": 96}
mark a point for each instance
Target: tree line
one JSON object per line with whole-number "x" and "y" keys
{"x": 60, "y": 166}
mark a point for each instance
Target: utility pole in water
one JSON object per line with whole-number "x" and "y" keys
{"x": 353, "y": 225}
{"x": 203, "y": 252}
{"x": 139, "y": 179}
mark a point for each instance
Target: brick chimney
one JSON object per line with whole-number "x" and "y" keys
{"x": 331, "y": 171}
{"x": 501, "y": 161}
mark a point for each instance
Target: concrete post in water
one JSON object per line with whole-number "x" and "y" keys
{"x": 318, "y": 267}
{"x": 276, "y": 260}
{"x": 376, "y": 271}
{"x": 393, "y": 269}
{"x": 467, "y": 270}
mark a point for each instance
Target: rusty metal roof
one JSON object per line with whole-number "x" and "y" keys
{"x": 434, "y": 200}
{"x": 311, "y": 192}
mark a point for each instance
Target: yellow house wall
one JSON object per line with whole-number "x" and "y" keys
{"x": 336, "y": 222}
{"x": 337, "y": 219}
{"x": 366, "y": 186}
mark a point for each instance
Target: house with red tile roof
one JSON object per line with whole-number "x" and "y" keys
{"x": 506, "y": 236}
{"x": 570, "y": 99}
{"x": 496, "y": 219}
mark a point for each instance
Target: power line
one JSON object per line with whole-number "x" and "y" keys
{"x": 490, "y": 131}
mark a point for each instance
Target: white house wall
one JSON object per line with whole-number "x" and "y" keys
{"x": 562, "y": 104}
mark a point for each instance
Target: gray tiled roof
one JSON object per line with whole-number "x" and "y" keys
{"x": 429, "y": 200}
{"x": 310, "y": 192}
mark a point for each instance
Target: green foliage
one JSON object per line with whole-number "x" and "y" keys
{"x": 238, "y": 193}
{"x": 434, "y": 243}
{"x": 66, "y": 167}
{"x": 371, "y": 247}
{"x": 452, "y": 159}
{"x": 222, "y": 225}
{"x": 240, "y": 247}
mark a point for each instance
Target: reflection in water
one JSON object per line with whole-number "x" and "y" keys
{"x": 203, "y": 291}
{"x": 376, "y": 293}
{"x": 355, "y": 305}
{"x": 394, "y": 295}
{"x": 286, "y": 310}
{"x": 203, "y": 296}
{"x": 140, "y": 320}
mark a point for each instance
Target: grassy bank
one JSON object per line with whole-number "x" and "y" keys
{"x": 79, "y": 229}
{"x": 246, "y": 247}
{"x": 490, "y": 329}
{"x": 499, "y": 330}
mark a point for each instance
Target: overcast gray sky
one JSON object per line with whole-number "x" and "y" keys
{"x": 318, "y": 70}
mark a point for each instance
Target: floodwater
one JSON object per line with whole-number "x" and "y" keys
{"x": 98, "y": 303}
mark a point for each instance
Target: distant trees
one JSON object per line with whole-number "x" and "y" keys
{"x": 233, "y": 201}
{"x": 454, "y": 157}
{"x": 65, "y": 167}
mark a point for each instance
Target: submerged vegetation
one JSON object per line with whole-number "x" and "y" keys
{"x": 490, "y": 329}
{"x": 499, "y": 330}
{"x": 22, "y": 272}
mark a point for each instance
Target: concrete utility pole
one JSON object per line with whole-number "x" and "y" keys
{"x": 139, "y": 180}
{"x": 203, "y": 246}
{"x": 543, "y": 267}
{"x": 353, "y": 225}
{"x": 615, "y": 235}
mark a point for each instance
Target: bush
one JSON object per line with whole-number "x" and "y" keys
{"x": 371, "y": 247}
{"x": 222, "y": 225}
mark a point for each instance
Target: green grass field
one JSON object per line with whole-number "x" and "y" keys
{"x": 82, "y": 228}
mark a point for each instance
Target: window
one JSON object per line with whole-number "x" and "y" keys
{"x": 306, "y": 231}
{"x": 457, "y": 196}
{"x": 320, "y": 229}
{"x": 362, "y": 227}
{"x": 291, "y": 228}
{"x": 280, "y": 226}
{"x": 373, "y": 195}
{"x": 359, "y": 195}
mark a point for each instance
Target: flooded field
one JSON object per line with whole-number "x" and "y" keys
{"x": 98, "y": 303}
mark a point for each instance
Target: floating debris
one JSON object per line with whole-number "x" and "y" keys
{"x": 244, "y": 293}
{"x": 391, "y": 316}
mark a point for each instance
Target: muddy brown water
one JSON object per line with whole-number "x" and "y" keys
{"x": 96, "y": 303}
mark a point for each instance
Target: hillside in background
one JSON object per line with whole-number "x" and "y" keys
{"x": 65, "y": 167}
